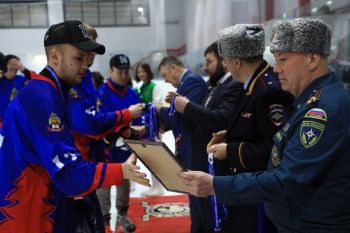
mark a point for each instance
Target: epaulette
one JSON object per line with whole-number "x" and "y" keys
{"x": 270, "y": 80}
{"x": 314, "y": 97}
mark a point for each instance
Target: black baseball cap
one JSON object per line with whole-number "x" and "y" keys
{"x": 119, "y": 61}
{"x": 72, "y": 32}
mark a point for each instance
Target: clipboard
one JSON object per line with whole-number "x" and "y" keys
{"x": 160, "y": 161}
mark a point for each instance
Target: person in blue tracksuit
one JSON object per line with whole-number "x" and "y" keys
{"x": 194, "y": 87}
{"x": 89, "y": 127}
{"x": 11, "y": 82}
{"x": 307, "y": 185}
{"x": 39, "y": 163}
{"x": 115, "y": 95}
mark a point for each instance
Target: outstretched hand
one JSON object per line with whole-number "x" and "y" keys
{"x": 132, "y": 172}
{"x": 198, "y": 183}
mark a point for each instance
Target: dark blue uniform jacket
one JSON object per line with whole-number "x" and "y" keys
{"x": 307, "y": 185}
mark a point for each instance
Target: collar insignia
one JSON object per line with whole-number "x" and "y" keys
{"x": 314, "y": 97}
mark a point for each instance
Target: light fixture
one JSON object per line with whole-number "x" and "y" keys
{"x": 314, "y": 10}
{"x": 329, "y": 3}
{"x": 140, "y": 9}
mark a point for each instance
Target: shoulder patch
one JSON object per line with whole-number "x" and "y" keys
{"x": 270, "y": 80}
{"x": 314, "y": 97}
{"x": 310, "y": 133}
{"x": 316, "y": 113}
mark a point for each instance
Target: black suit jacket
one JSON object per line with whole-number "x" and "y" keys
{"x": 212, "y": 118}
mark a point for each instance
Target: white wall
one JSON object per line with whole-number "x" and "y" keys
{"x": 175, "y": 23}
{"x": 136, "y": 42}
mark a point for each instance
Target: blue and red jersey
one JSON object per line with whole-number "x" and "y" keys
{"x": 115, "y": 97}
{"x": 6, "y": 87}
{"x": 88, "y": 123}
{"x": 39, "y": 163}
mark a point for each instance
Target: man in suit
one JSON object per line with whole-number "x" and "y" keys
{"x": 211, "y": 116}
{"x": 192, "y": 86}
{"x": 188, "y": 84}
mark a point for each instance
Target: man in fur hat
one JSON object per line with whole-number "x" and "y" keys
{"x": 307, "y": 186}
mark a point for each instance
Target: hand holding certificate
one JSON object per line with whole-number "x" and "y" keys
{"x": 163, "y": 164}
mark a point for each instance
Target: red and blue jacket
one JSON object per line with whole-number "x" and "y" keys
{"x": 115, "y": 97}
{"x": 39, "y": 163}
{"x": 89, "y": 124}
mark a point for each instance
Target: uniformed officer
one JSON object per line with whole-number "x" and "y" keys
{"x": 259, "y": 113}
{"x": 307, "y": 186}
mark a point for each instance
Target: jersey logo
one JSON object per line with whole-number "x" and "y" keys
{"x": 91, "y": 111}
{"x": 310, "y": 133}
{"x": 55, "y": 123}
{"x": 73, "y": 94}
{"x": 316, "y": 113}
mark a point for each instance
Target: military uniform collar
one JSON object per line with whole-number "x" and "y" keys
{"x": 312, "y": 91}
{"x": 248, "y": 88}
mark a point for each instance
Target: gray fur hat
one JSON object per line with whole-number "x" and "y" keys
{"x": 301, "y": 35}
{"x": 242, "y": 41}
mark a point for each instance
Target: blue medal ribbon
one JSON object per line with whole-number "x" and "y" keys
{"x": 176, "y": 127}
{"x": 172, "y": 105}
{"x": 149, "y": 119}
{"x": 56, "y": 79}
{"x": 218, "y": 219}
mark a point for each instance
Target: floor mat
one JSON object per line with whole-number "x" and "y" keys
{"x": 160, "y": 214}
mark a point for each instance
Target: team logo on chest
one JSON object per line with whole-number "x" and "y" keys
{"x": 73, "y": 94}
{"x": 54, "y": 123}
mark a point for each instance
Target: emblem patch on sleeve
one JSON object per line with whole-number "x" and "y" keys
{"x": 310, "y": 133}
